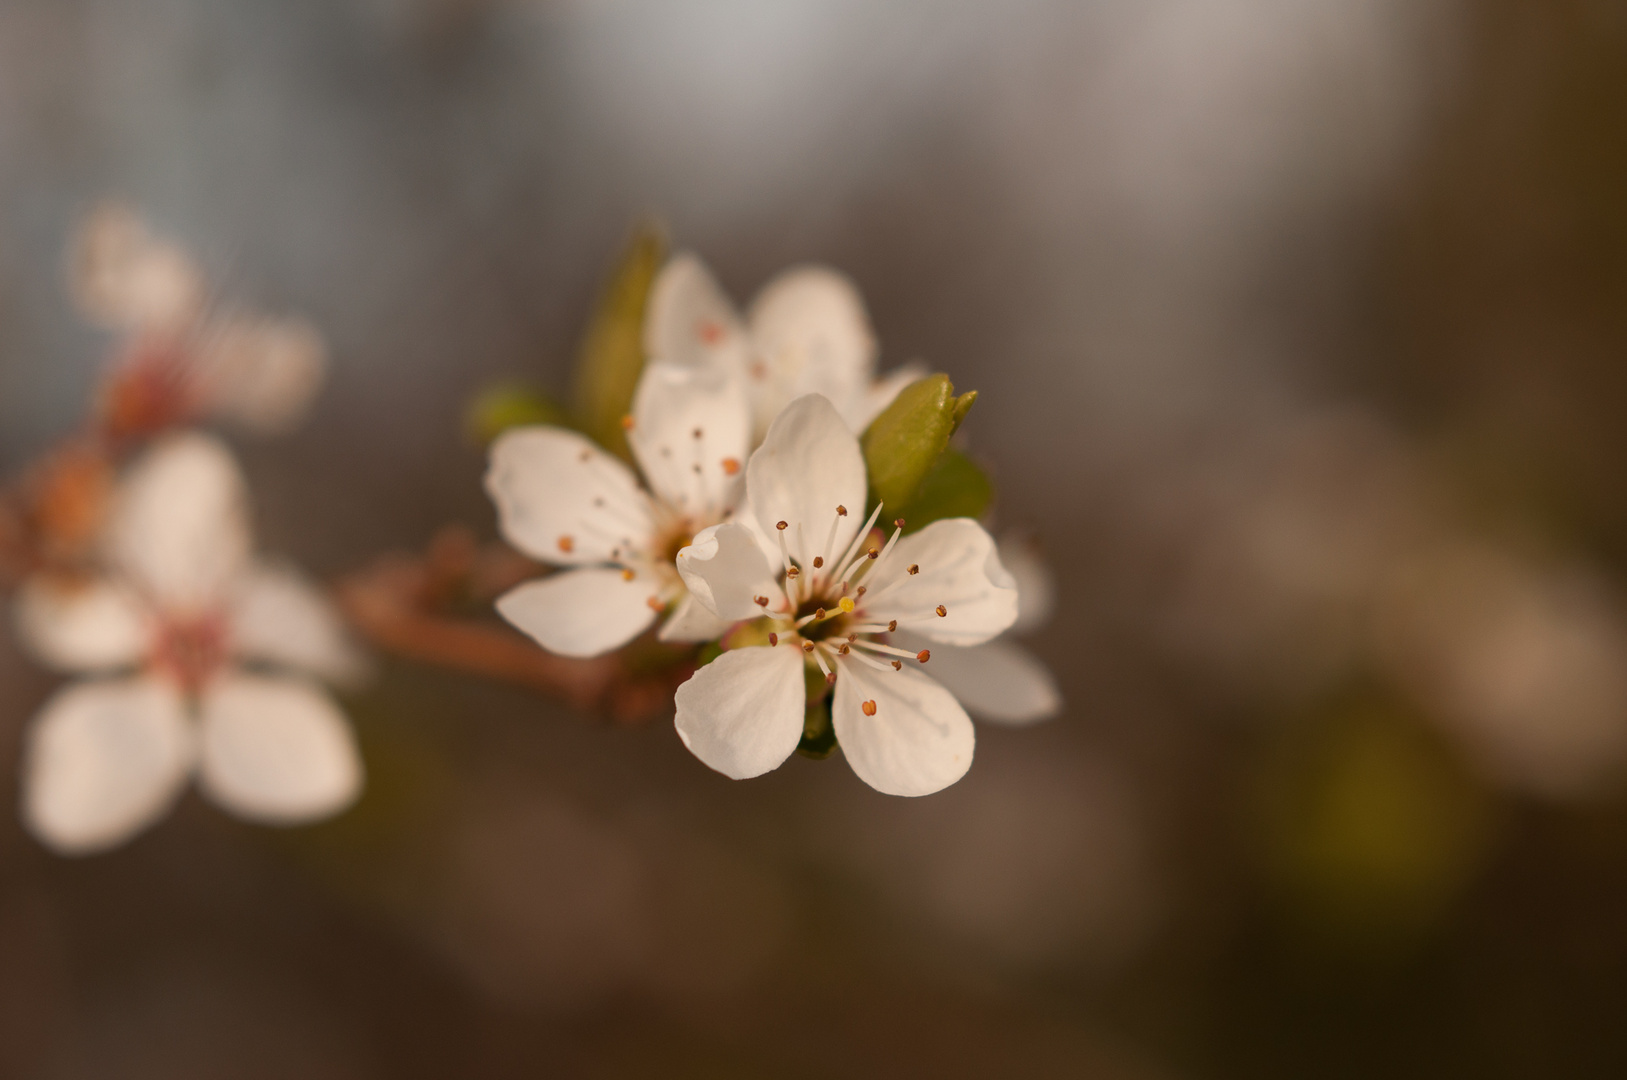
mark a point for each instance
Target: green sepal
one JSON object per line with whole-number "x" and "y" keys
{"x": 818, "y": 734}
{"x": 903, "y": 444}
{"x": 504, "y": 405}
{"x": 956, "y": 487}
{"x": 708, "y": 652}
{"x": 612, "y": 353}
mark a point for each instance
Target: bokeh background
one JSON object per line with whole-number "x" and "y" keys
{"x": 1300, "y": 329}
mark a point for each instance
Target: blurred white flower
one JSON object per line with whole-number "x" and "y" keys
{"x": 1000, "y": 681}
{"x": 828, "y": 603}
{"x": 181, "y": 360}
{"x": 199, "y": 656}
{"x": 806, "y": 332}
{"x": 563, "y": 500}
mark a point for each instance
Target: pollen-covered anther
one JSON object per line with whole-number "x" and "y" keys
{"x": 872, "y": 553}
{"x": 899, "y": 522}
{"x": 627, "y": 575}
{"x": 892, "y": 624}
{"x": 585, "y": 456}
{"x": 898, "y": 665}
{"x": 819, "y": 560}
{"x": 760, "y": 601}
{"x": 567, "y": 544}
{"x": 773, "y": 639}
{"x": 943, "y": 612}
{"x": 862, "y": 590}
{"x": 782, "y": 525}
{"x": 846, "y": 605}
{"x": 627, "y": 422}
{"x": 710, "y": 332}
{"x": 698, "y": 433}
{"x": 807, "y": 646}
{"x": 793, "y": 572}
{"x": 852, "y": 637}
{"x": 924, "y": 655}
{"x": 844, "y": 650}
{"x": 819, "y": 613}
{"x": 731, "y": 466}
{"x": 869, "y": 707}
{"x": 830, "y": 678}
{"x": 656, "y": 603}
{"x": 915, "y": 568}
{"x": 841, "y": 511}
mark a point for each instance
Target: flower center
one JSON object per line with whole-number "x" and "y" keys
{"x": 191, "y": 651}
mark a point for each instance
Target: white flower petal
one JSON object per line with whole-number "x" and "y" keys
{"x": 180, "y": 524}
{"x": 691, "y": 435}
{"x": 562, "y": 499}
{"x": 80, "y": 626}
{"x": 1036, "y": 589}
{"x": 279, "y": 616}
{"x": 960, "y": 571}
{"x": 724, "y": 569}
{"x": 742, "y": 713}
{"x": 103, "y": 761}
{"x": 808, "y": 465}
{"x": 262, "y": 373}
{"x": 919, "y": 741}
{"x": 689, "y": 321}
{"x": 998, "y": 680}
{"x": 581, "y": 613}
{"x": 692, "y": 622}
{"x": 126, "y": 278}
{"x": 276, "y": 750}
{"x": 809, "y": 333}
{"x": 879, "y": 394}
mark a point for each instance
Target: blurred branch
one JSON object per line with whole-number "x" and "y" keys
{"x": 410, "y": 605}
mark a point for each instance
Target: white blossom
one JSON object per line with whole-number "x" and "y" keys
{"x": 806, "y": 332}
{"x": 199, "y": 659}
{"x": 797, "y": 557}
{"x": 565, "y": 501}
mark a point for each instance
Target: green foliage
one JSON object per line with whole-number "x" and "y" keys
{"x": 904, "y": 443}
{"x": 956, "y": 487}
{"x": 818, "y": 735}
{"x": 501, "y": 406}
{"x": 612, "y": 353}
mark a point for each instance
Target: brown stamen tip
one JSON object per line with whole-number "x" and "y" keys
{"x": 819, "y": 560}
{"x": 782, "y": 525}
{"x": 807, "y": 646}
{"x": 872, "y": 553}
{"x": 841, "y": 511}
{"x": 698, "y": 433}
{"x": 898, "y": 522}
{"x": 656, "y": 604}
{"x": 862, "y": 590}
{"x": 819, "y": 613}
{"x": 585, "y": 456}
{"x": 915, "y": 568}
{"x": 892, "y": 624}
{"x": 773, "y": 639}
{"x": 942, "y": 611}
{"x": 567, "y": 544}
{"x": 869, "y": 708}
{"x": 697, "y": 469}
{"x": 830, "y": 679}
{"x": 924, "y": 655}
{"x": 898, "y": 665}
{"x": 627, "y": 575}
{"x": 627, "y": 422}
{"x": 761, "y": 601}
{"x": 731, "y": 466}
{"x": 793, "y": 572}
{"x": 843, "y": 651}
{"x": 852, "y": 637}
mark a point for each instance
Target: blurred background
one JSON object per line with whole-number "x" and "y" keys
{"x": 1299, "y": 327}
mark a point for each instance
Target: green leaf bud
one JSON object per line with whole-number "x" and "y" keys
{"x": 904, "y": 443}
{"x": 612, "y": 353}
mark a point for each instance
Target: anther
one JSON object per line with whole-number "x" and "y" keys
{"x": 830, "y": 678}
{"x": 731, "y": 466}
{"x": 844, "y": 650}
{"x": 793, "y": 572}
{"x": 942, "y": 611}
{"x": 585, "y": 456}
{"x": 819, "y": 560}
{"x": 898, "y": 665}
{"x": 915, "y": 568}
{"x": 852, "y": 637}
{"x": 892, "y": 625}
{"x": 656, "y": 604}
{"x": 698, "y": 433}
{"x": 627, "y": 422}
{"x": 841, "y": 511}
{"x": 872, "y": 553}
{"x": 869, "y": 708}
{"x": 924, "y": 655}
{"x": 760, "y": 601}
{"x": 898, "y": 522}
{"x": 627, "y": 575}
{"x": 819, "y": 613}
{"x": 807, "y": 646}
{"x": 846, "y": 605}
{"x": 862, "y": 590}
{"x": 773, "y": 639}
{"x": 782, "y": 525}
{"x": 567, "y": 544}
